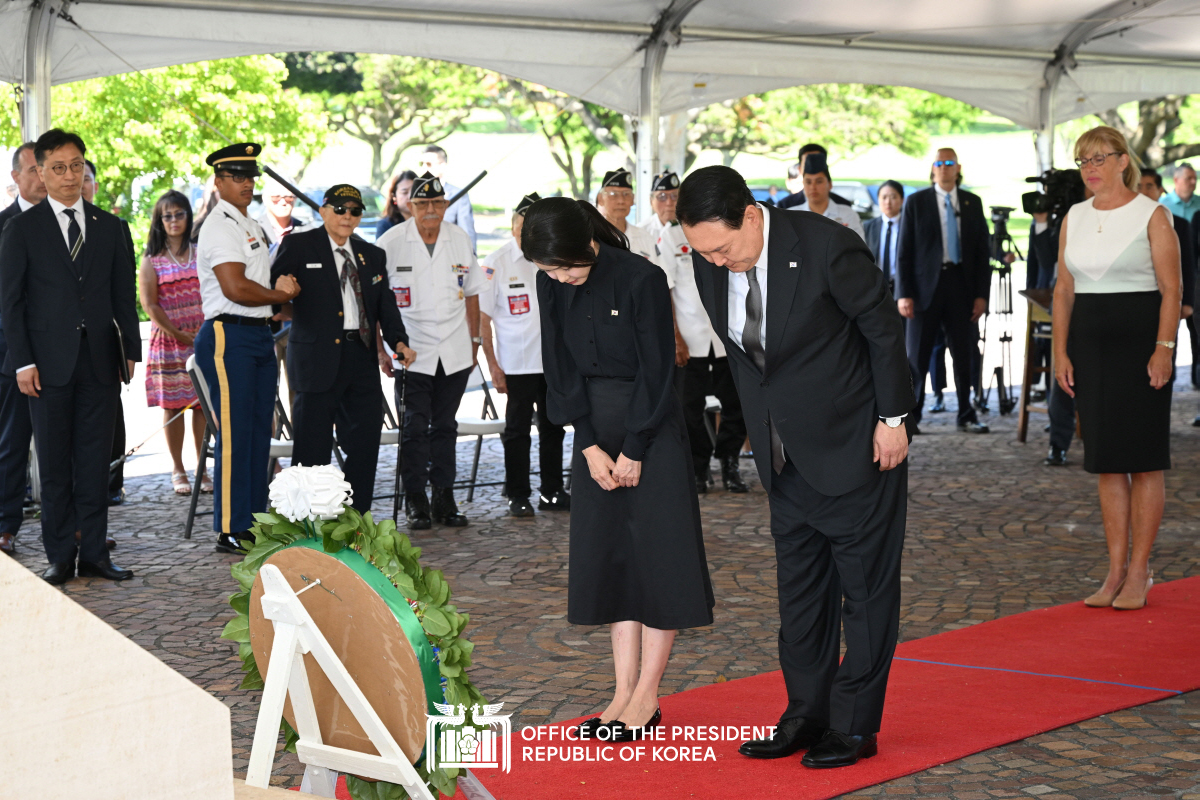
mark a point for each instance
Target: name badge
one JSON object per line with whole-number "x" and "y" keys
{"x": 403, "y": 269}
{"x": 517, "y": 286}
{"x": 518, "y": 304}
{"x": 254, "y": 245}
{"x": 313, "y": 266}
{"x": 403, "y": 296}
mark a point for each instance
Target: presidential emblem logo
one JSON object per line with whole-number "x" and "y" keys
{"x": 484, "y": 743}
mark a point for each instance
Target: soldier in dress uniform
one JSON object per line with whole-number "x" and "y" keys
{"x": 234, "y": 348}
{"x": 614, "y": 200}
{"x": 437, "y": 280}
{"x": 511, "y": 305}
{"x": 704, "y": 367}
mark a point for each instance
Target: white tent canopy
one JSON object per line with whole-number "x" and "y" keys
{"x": 1034, "y": 62}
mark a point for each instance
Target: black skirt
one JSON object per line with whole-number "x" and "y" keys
{"x": 1126, "y": 424}
{"x": 637, "y": 553}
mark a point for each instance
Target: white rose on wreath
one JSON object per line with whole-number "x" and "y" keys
{"x": 310, "y": 493}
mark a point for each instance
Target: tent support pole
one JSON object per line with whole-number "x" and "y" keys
{"x": 35, "y": 87}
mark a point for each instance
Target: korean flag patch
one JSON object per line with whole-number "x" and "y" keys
{"x": 403, "y": 296}
{"x": 518, "y": 304}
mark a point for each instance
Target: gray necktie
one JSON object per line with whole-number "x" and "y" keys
{"x": 74, "y": 233}
{"x": 753, "y": 345}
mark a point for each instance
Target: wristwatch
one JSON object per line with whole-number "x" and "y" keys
{"x": 1168, "y": 345}
{"x": 477, "y": 339}
{"x": 893, "y": 422}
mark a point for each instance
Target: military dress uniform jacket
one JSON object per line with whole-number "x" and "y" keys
{"x": 314, "y": 344}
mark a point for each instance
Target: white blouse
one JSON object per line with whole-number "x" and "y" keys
{"x": 1108, "y": 251}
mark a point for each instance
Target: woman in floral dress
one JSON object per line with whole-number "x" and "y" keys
{"x": 170, "y": 293}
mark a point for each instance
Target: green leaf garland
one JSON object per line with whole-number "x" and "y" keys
{"x": 427, "y": 591}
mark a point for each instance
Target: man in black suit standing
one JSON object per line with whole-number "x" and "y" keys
{"x": 344, "y": 295}
{"x": 817, "y": 352}
{"x": 66, "y": 302}
{"x": 883, "y": 232}
{"x": 944, "y": 279}
{"x": 16, "y": 428}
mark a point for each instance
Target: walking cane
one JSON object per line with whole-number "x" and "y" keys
{"x": 399, "y": 443}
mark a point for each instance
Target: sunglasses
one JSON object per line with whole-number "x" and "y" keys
{"x": 947, "y": 163}
{"x": 176, "y": 216}
{"x": 355, "y": 211}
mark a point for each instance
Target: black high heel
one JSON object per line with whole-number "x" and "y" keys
{"x": 624, "y": 733}
{"x": 587, "y": 729}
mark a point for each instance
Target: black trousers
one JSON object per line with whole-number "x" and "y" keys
{"x": 525, "y": 392}
{"x": 116, "y": 477}
{"x": 702, "y": 377}
{"x": 430, "y": 428}
{"x": 949, "y": 310}
{"x": 73, "y": 427}
{"x": 16, "y": 430}
{"x": 937, "y": 364}
{"x": 838, "y": 564}
{"x": 355, "y": 406}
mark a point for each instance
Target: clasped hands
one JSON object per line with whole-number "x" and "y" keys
{"x": 625, "y": 472}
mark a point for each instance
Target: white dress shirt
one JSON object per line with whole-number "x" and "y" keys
{"x": 675, "y": 257}
{"x": 889, "y": 269}
{"x": 641, "y": 242}
{"x": 23, "y": 204}
{"x": 839, "y": 213}
{"x": 739, "y": 287}
{"x": 64, "y": 221}
{"x": 349, "y": 304}
{"x": 230, "y": 237}
{"x": 511, "y": 301}
{"x": 941, "y": 204}
{"x": 431, "y": 291}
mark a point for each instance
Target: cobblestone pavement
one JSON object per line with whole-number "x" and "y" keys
{"x": 991, "y": 532}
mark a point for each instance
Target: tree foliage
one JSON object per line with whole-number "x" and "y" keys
{"x": 1160, "y": 130}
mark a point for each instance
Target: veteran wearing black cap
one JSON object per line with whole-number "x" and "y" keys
{"x": 436, "y": 280}
{"x": 331, "y": 363}
{"x": 234, "y": 348}
{"x": 510, "y": 304}
{"x": 818, "y": 186}
{"x": 615, "y": 199}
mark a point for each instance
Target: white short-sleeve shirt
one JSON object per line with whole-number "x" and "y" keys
{"x": 843, "y": 214}
{"x": 641, "y": 242}
{"x": 226, "y": 236}
{"x": 431, "y": 292}
{"x": 675, "y": 256}
{"x": 511, "y": 301}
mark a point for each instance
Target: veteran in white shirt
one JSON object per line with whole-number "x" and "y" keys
{"x": 436, "y": 279}
{"x": 615, "y": 199}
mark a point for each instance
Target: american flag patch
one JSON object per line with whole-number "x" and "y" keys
{"x": 488, "y": 270}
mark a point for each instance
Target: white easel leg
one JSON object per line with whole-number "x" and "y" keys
{"x": 266, "y": 730}
{"x": 317, "y": 781}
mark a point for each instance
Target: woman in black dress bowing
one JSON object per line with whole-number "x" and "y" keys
{"x": 608, "y": 350}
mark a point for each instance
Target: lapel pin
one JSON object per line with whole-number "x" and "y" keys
{"x": 791, "y": 265}
{"x": 614, "y": 312}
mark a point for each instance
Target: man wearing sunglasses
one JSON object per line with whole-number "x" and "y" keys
{"x": 436, "y": 281}
{"x": 234, "y": 348}
{"x": 944, "y": 279}
{"x": 344, "y": 298}
{"x": 276, "y": 218}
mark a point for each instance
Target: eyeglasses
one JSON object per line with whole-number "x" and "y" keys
{"x": 626, "y": 194}
{"x": 947, "y": 163}
{"x": 355, "y": 211}
{"x": 436, "y": 202}
{"x": 1096, "y": 160}
{"x": 61, "y": 169}
{"x": 177, "y": 216}
{"x": 290, "y": 199}
{"x": 237, "y": 179}
{"x": 667, "y": 197}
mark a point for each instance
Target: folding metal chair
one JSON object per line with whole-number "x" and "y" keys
{"x": 489, "y": 422}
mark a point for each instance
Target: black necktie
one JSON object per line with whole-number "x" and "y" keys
{"x": 753, "y": 345}
{"x": 350, "y": 275}
{"x": 74, "y": 233}
{"x": 887, "y": 251}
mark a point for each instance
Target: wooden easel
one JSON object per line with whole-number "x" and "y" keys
{"x": 295, "y": 635}
{"x": 1039, "y": 312}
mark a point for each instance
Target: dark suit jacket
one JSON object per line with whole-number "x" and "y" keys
{"x": 873, "y": 231}
{"x": 797, "y": 199}
{"x": 1187, "y": 259}
{"x": 920, "y": 262}
{"x": 1040, "y": 264}
{"x": 835, "y": 351}
{"x": 314, "y": 352}
{"x": 46, "y": 299}
{"x": 6, "y": 215}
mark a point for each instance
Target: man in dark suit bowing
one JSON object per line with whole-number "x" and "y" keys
{"x": 817, "y": 352}
{"x": 66, "y": 301}
{"x": 331, "y": 359}
{"x": 944, "y": 279}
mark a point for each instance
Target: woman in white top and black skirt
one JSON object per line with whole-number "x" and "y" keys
{"x": 636, "y": 549}
{"x": 1116, "y": 311}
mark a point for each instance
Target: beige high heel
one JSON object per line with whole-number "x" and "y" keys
{"x": 1101, "y": 600}
{"x": 1128, "y": 604}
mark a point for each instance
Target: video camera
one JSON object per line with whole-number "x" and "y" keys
{"x": 1063, "y": 189}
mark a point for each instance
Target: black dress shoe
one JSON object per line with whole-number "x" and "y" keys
{"x": 587, "y": 729}
{"x": 1196, "y": 421}
{"x": 1056, "y": 458}
{"x": 839, "y": 750}
{"x": 60, "y": 573}
{"x": 231, "y": 543}
{"x": 939, "y": 405}
{"x": 416, "y": 510}
{"x": 624, "y": 733}
{"x": 445, "y": 511}
{"x": 520, "y": 507}
{"x": 117, "y": 499}
{"x": 791, "y": 735}
{"x": 558, "y": 501}
{"x": 6, "y": 543}
{"x": 974, "y": 427}
{"x": 104, "y": 569}
{"x": 110, "y": 543}
{"x": 731, "y": 476}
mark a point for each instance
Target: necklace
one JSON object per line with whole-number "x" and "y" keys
{"x": 171, "y": 256}
{"x": 1100, "y": 220}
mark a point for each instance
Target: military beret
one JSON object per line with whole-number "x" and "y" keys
{"x": 526, "y": 202}
{"x": 665, "y": 182}
{"x": 617, "y": 178}
{"x": 342, "y": 192}
{"x": 427, "y": 187}
{"x": 240, "y": 158}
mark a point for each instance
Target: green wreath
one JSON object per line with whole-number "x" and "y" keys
{"x": 391, "y": 552}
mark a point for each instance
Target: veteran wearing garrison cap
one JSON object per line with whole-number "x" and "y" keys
{"x": 344, "y": 299}
{"x": 614, "y": 200}
{"x": 234, "y": 348}
{"x": 436, "y": 280}
{"x": 510, "y": 304}
{"x": 818, "y": 194}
